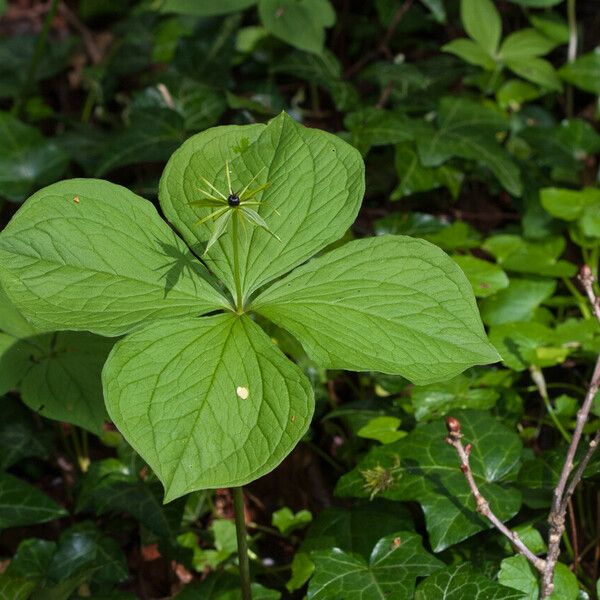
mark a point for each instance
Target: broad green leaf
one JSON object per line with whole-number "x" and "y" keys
{"x": 27, "y": 160}
{"x": 414, "y": 177}
{"x": 20, "y": 434}
{"x": 582, "y": 206}
{"x": 32, "y": 558}
{"x": 12, "y": 321}
{"x": 152, "y": 136}
{"x": 438, "y": 399}
{"x": 286, "y": 521}
{"x": 300, "y": 23}
{"x": 461, "y": 582}
{"x": 15, "y": 588}
{"x": 241, "y": 405}
{"x": 23, "y": 504}
{"x": 517, "y": 302}
{"x": 469, "y": 130}
{"x": 584, "y": 73}
{"x": 391, "y": 572}
{"x": 84, "y": 551}
{"x": 424, "y": 468}
{"x": 323, "y": 70}
{"x": 224, "y": 586}
{"x": 354, "y": 531}
{"x": 206, "y": 8}
{"x": 485, "y": 277}
{"x": 383, "y": 429}
{"x": 62, "y": 381}
{"x": 90, "y": 255}
{"x": 524, "y": 44}
{"x": 537, "y": 70}
{"x": 515, "y": 254}
{"x": 470, "y": 52}
{"x": 316, "y": 186}
{"x": 551, "y": 25}
{"x": 376, "y": 127}
{"x": 517, "y": 343}
{"x": 514, "y": 93}
{"x": 482, "y": 22}
{"x": 392, "y": 304}
{"x": 517, "y": 573}
{"x": 110, "y": 486}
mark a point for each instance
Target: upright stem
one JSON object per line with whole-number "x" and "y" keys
{"x": 242, "y": 544}
{"x": 236, "y": 263}
{"x": 35, "y": 59}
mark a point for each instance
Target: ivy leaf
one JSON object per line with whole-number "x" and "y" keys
{"x": 423, "y": 468}
{"x": 66, "y": 273}
{"x": 300, "y": 23}
{"x": 152, "y": 136}
{"x": 463, "y": 581}
{"x": 27, "y": 160}
{"x": 468, "y": 130}
{"x": 23, "y": 504}
{"x": 20, "y": 434}
{"x": 317, "y": 184}
{"x": 517, "y": 573}
{"x": 62, "y": 381}
{"x": 391, "y": 304}
{"x": 224, "y": 586}
{"x": 110, "y": 486}
{"x": 393, "y": 567}
{"x": 438, "y": 399}
{"x": 15, "y": 588}
{"x": 217, "y": 406}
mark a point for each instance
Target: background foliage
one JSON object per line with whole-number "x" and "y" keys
{"x": 478, "y": 124}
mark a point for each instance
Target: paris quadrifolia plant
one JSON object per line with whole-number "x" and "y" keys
{"x": 195, "y": 385}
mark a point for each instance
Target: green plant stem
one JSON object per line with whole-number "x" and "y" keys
{"x": 242, "y": 544}
{"x": 540, "y": 382}
{"x": 36, "y": 58}
{"x": 236, "y": 264}
{"x": 579, "y": 298}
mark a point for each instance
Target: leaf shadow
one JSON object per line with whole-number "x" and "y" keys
{"x": 440, "y": 488}
{"x": 175, "y": 269}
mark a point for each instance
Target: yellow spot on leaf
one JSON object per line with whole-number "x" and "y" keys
{"x": 242, "y": 392}
{"x": 76, "y": 199}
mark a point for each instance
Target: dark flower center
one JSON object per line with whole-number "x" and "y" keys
{"x": 233, "y": 200}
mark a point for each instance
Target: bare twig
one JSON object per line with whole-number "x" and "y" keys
{"x": 383, "y": 46}
{"x": 483, "y": 506}
{"x": 564, "y": 490}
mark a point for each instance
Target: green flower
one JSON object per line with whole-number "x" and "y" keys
{"x": 237, "y": 203}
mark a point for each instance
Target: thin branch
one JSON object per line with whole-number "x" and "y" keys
{"x": 483, "y": 506}
{"x": 383, "y": 47}
{"x": 564, "y": 490}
